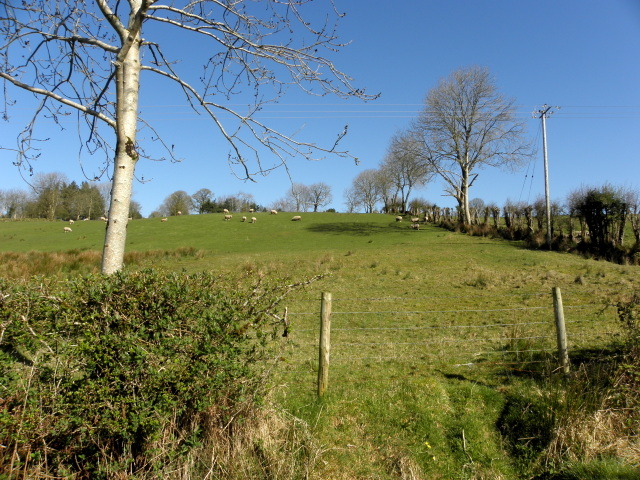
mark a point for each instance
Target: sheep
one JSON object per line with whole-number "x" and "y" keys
{"x": 179, "y": 212}
{"x": 254, "y": 219}
{"x": 163, "y": 219}
{"x": 244, "y": 219}
{"x": 67, "y": 230}
{"x": 228, "y": 217}
{"x": 225, "y": 210}
{"x": 104, "y": 219}
{"x": 415, "y": 219}
{"x": 71, "y": 222}
{"x": 415, "y": 226}
{"x": 274, "y": 212}
{"x": 297, "y": 218}
{"x": 398, "y": 218}
{"x": 251, "y": 210}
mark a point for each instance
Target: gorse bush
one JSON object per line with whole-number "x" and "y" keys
{"x": 121, "y": 376}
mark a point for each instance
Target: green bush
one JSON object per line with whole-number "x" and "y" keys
{"x": 121, "y": 376}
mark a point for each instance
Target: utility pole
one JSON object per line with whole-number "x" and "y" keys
{"x": 543, "y": 113}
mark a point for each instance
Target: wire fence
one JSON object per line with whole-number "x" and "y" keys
{"x": 451, "y": 330}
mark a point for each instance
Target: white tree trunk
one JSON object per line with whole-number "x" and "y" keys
{"x": 127, "y": 85}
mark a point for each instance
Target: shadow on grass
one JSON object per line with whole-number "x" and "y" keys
{"x": 357, "y": 229}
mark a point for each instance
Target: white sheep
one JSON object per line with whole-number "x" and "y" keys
{"x": 254, "y": 219}
{"x": 67, "y": 230}
{"x": 274, "y": 212}
{"x": 104, "y": 219}
{"x": 398, "y": 218}
{"x": 415, "y": 226}
{"x": 244, "y": 219}
{"x": 163, "y": 219}
{"x": 251, "y": 210}
{"x": 415, "y": 219}
{"x": 225, "y": 210}
{"x": 71, "y": 222}
{"x": 179, "y": 212}
{"x": 228, "y": 217}
{"x": 297, "y": 218}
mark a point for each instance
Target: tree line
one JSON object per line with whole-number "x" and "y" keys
{"x": 601, "y": 221}
{"x": 299, "y": 198}
{"x": 52, "y": 196}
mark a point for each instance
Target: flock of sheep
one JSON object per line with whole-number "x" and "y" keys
{"x": 228, "y": 216}
{"x": 104, "y": 219}
{"x": 415, "y": 221}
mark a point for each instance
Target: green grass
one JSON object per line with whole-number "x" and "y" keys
{"x": 411, "y": 395}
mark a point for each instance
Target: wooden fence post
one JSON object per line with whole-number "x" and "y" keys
{"x": 561, "y": 332}
{"x": 325, "y": 343}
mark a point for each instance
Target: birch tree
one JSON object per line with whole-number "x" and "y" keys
{"x": 467, "y": 124}
{"x": 87, "y": 58}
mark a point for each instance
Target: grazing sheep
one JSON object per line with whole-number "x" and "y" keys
{"x": 274, "y": 212}
{"x": 228, "y": 217}
{"x": 415, "y": 219}
{"x": 415, "y": 226}
{"x": 254, "y": 219}
{"x": 67, "y": 230}
{"x": 398, "y": 218}
{"x": 244, "y": 219}
{"x": 251, "y": 210}
{"x": 297, "y": 218}
{"x": 104, "y": 219}
{"x": 163, "y": 220}
{"x": 71, "y": 222}
{"x": 225, "y": 210}
{"x": 179, "y": 212}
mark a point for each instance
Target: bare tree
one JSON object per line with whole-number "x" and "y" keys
{"x": 467, "y": 124}
{"x": 387, "y": 189}
{"x": 299, "y": 197}
{"x": 405, "y": 167}
{"x": 351, "y": 200}
{"x": 319, "y": 195}
{"x": 87, "y": 57}
{"x": 365, "y": 190}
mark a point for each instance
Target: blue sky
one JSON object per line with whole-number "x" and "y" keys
{"x": 581, "y": 55}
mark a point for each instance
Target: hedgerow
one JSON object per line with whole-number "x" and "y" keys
{"x": 122, "y": 376}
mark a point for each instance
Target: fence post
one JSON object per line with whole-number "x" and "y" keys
{"x": 561, "y": 332}
{"x": 325, "y": 343}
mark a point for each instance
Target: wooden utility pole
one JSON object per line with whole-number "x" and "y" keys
{"x": 544, "y": 112}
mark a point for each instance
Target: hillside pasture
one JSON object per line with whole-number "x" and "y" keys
{"x": 435, "y": 335}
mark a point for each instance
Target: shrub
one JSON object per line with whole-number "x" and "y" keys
{"x": 106, "y": 377}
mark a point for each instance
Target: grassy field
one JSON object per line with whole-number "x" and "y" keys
{"x": 442, "y": 344}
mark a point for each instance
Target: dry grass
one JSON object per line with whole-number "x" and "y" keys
{"x": 584, "y": 438}
{"x": 268, "y": 443}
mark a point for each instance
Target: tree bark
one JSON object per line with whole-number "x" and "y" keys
{"x": 127, "y": 87}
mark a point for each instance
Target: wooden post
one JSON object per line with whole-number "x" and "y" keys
{"x": 325, "y": 343}
{"x": 561, "y": 332}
